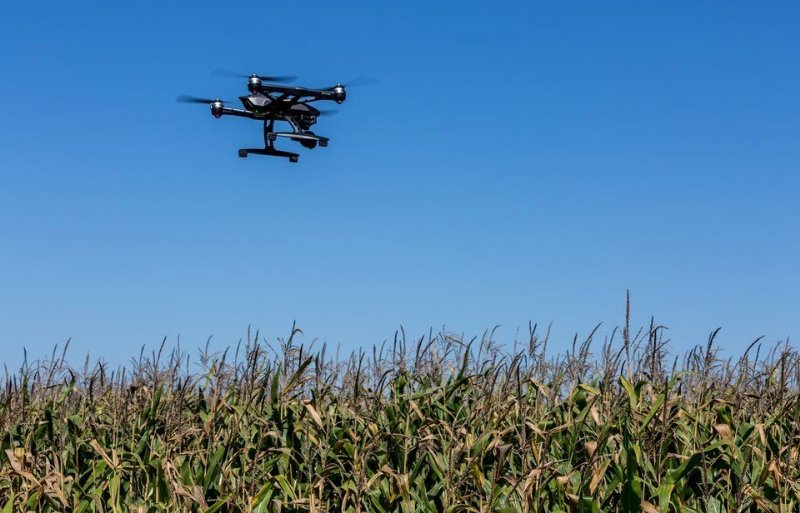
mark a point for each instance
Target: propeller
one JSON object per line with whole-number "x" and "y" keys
{"x": 224, "y": 73}
{"x": 361, "y": 80}
{"x": 328, "y": 112}
{"x": 194, "y": 99}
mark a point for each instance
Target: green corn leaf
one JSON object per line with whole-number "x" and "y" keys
{"x": 9, "y": 506}
{"x": 633, "y": 397}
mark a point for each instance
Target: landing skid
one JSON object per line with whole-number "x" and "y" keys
{"x": 244, "y": 152}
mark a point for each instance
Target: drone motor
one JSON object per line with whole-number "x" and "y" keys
{"x": 216, "y": 108}
{"x": 254, "y": 84}
{"x": 339, "y": 93}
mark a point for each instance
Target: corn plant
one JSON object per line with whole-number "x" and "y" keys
{"x": 436, "y": 424}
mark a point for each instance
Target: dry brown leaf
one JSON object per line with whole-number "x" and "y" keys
{"x": 762, "y": 433}
{"x": 537, "y": 455}
{"x": 597, "y": 476}
{"x": 17, "y": 467}
{"x": 313, "y": 412}
{"x": 649, "y": 507}
{"x": 724, "y": 431}
{"x": 531, "y": 480}
{"x": 775, "y": 471}
{"x": 416, "y": 409}
{"x": 596, "y": 415}
{"x": 103, "y": 454}
{"x": 591, "y": 447}
{"x": 16, "y": 464}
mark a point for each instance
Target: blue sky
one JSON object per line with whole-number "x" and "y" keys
{"x": 516, "y": 161}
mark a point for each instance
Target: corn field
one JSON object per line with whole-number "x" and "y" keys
{"x": 436, "y": 424}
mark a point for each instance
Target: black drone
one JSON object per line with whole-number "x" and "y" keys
{"x": 270, "y": 102}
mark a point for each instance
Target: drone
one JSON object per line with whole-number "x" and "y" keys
{"x": 269, "y": 101}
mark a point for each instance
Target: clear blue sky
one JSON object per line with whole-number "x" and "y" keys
{"x": 517, "y": 161}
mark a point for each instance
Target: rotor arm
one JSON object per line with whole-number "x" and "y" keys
{"x": 227, "y": 111}
{"x": 302, "y": 92}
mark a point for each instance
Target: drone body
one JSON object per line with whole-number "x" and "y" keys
{"x": 269, "y": 102}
